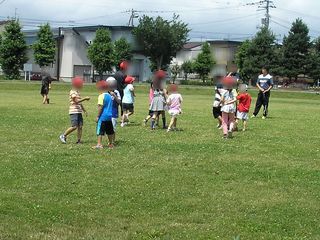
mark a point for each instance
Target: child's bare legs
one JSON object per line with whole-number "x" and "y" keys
{"x": 99, "y": 141}
{"x": 69, "y": 131}
{"x": 175, "y": 122}
{"x": 236, "y": 123}
{"x": 111, "y": 139}
{"x": 163, "y": 114}
{"x": 153, "y": 120}
{"x": 244, "y": 125}
{"x": 79, "y": 134}
{"x": 45, "y": 98}
{"x": 172, "y": 123}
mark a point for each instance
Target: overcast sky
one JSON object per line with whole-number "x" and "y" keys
{"x": 208, "y": 19}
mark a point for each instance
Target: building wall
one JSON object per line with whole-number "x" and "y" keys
{"x": 223, "y": 53}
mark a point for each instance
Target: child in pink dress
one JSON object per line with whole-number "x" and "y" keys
{"x": 174, "y": 103}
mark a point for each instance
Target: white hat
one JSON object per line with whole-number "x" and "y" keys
{"x": 111, "y": 80}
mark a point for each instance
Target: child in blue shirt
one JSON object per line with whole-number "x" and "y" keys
{"x": 116, "y": 100}
{"x": 104, "y": 117}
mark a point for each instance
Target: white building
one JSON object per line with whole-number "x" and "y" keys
{"x": 72, "y": 46}
{"x": 223, "y": 51}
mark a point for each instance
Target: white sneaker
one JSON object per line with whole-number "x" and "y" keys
{"x": 263, "y": 117}
{"x": 122, "y": 124}
{"x": 63, "y": 139}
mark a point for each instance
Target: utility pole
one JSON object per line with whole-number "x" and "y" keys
{"x": 134, "y": 14}
{"x": 15, "y": 13}
{"x": 264, "y": 5}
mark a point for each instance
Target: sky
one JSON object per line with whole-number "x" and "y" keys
{"x": 207, "y": 19}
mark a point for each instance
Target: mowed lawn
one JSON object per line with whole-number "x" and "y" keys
{"x": 263, "y": 184}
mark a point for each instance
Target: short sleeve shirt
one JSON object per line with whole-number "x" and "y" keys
{"x": 265, "y": 81}
{"x": 75, "y": 107}
{"x": 128, "y": 94}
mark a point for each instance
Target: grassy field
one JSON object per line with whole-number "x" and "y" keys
{"x": 263, "y": 184}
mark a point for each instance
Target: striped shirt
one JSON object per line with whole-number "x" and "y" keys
{"x": 74, "y": 107}
{"x": 265, "y": 81}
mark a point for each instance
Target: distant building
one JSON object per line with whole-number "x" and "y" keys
{"x": 3, "y": 25}
{"x": 72, "y": 47}
{"x": 223, "y": 51}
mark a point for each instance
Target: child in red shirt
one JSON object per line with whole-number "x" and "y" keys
{"x": 244, "y": 99}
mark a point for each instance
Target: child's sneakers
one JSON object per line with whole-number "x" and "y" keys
{"x": 63, "y": 139}
{"x": 264, "y": 117}
{"x": 97, "y": 147}
{"x": 111, "y": 146}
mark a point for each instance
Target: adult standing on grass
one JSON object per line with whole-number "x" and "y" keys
{"x": 45, "y": 87}
{"x": 264, "y": 84}
{"x": 120, "y": 76}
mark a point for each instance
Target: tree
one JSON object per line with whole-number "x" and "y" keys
{"x": 296, "y": 50}
{"x": 13, "y": 50}
{"x": 314, "y": 60}
{"x": 45, "y": 47}
{"x": 187, "y": 68}
{"x": 101, "y": 52}
{"x": 204, "y": 62}
{"x": 259, "y": 52}
{"x": 175, "y": 70}
{"x": 161, "y": 39}
{"x": 122, "y": 51}
{"x": 241, "y": 58}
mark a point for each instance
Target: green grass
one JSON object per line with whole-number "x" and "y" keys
{"x": 263, "y": 184}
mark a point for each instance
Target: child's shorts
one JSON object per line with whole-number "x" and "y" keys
{"x": 216, "y": 112}
{"x": 114, "y": 123}
{"x": 127, "y": 107}
{"x": 174, "y": 113}
{"x": 105, "y": 127}
{"x": 76, "y": 120}
{"x": 242, "y": 115}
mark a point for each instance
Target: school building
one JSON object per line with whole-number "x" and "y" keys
{"x": 72, "y": 47}
{"x": 223, "y": 51}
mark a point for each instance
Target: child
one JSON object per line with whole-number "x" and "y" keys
{"x": 149, "y": 116}
{"x": 158, "y": 103}
{"x": 75, "y": 110}
{"x": 244, "y": 99}
{"x": 116, "y": 100}
{"x": 228, "y": 108}
{"x": 45, "y": 87}
{"x": 216, "y": 110}
{"x": 174, "y": 103}
{"x": 128, "y": 100}
{"x": 104, "y": 117}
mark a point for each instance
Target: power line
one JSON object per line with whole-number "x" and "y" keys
{"x": 223, "y": 20}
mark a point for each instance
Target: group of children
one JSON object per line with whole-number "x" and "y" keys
{"x": 231, "y": 106}
{"x": 161, "y": 101}
{"x": 109, "y": 101}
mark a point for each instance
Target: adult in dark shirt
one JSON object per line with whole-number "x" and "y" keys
{"x": 120, "y": 76}
{"x": 45, "y": 87}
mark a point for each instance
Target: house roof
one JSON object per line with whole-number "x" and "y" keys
{"x": 3, "y": 22}
{"x": 190, "y": 45}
